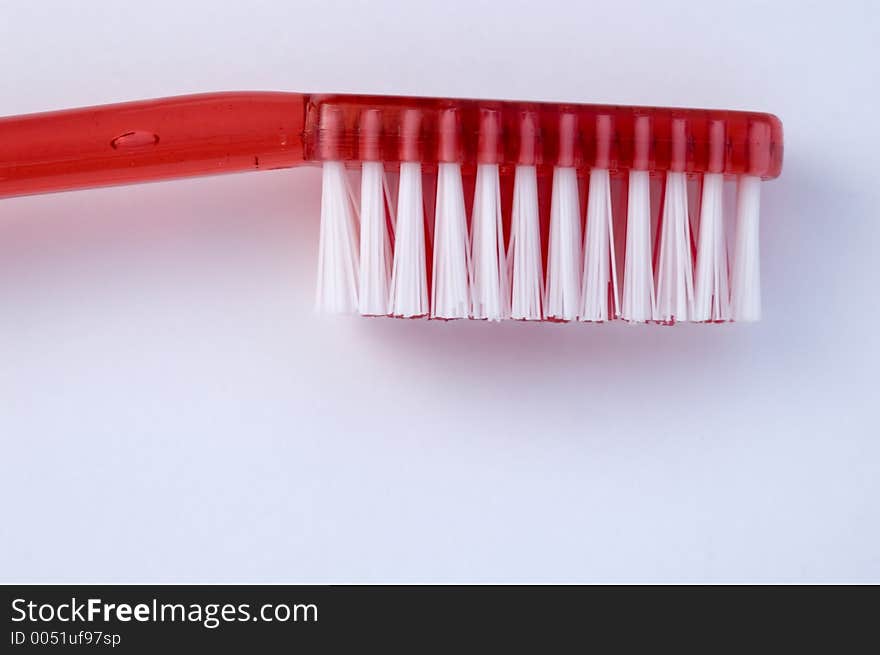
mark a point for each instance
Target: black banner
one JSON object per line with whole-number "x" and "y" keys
{"x": 150, "y": 619}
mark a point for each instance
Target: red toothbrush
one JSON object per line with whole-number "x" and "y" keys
{"x": 495, "y": 253}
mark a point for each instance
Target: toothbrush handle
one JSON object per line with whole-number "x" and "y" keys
{"x": 150, "y": 140}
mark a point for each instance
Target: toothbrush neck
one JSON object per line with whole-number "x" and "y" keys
{"x": 150, "y": 140}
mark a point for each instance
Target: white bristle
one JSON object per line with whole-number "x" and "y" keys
{"x": 711, "y": 295}
{"x": 564, "y": 251}
{"x": 451, "y": 270}
{"x": 599, "y": 289}
{"x": 375, "y": 258}
{"x": 409, "y": 283}
{"x": 675, "y": 284}
{"x": 638, "y": 278}
{"x": 337, "y": 286}
{"x": 746, "y": 279}
{"x": 489, "y": 290}
{"x": 524, "y": 254}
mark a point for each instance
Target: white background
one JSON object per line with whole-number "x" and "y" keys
{"x": 171, "y": 410}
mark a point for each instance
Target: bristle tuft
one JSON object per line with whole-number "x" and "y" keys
{"x": 638, "y": 278}
{"x": 599, "y": 289}
{"x": 375, "y": 257}
{"x": 337, "y": 284}
{"x": 409, "y": 283}
{"x": 675, "y": 286}
{"x": 450, "y": 297}
{"x": 711, "y": 295}
{"x": 524, "y": 254}
{"x": 746, "y": 280}
{"x": 489, "y": 287}
{"x": 564, "y": 252}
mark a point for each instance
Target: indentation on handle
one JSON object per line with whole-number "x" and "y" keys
{"x": 135, "y": 139}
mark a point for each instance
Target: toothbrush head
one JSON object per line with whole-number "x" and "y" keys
{"x": 492, "y": 247}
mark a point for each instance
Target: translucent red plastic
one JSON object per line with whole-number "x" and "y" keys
{"x": 229, "y": 132}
